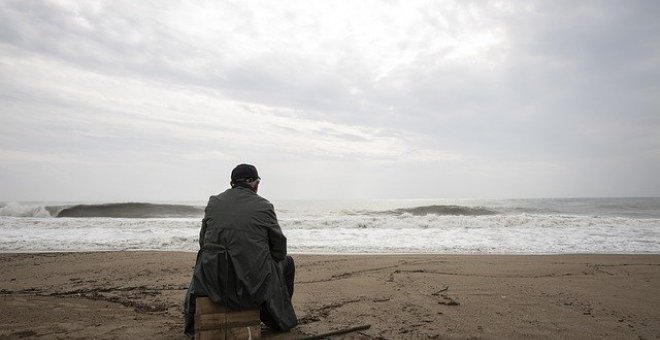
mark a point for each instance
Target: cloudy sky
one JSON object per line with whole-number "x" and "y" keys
{"x": 159, "y": 100}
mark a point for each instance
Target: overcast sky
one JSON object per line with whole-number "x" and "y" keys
{"x": 159, "y": 100}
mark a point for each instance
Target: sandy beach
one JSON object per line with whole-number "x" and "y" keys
{"x": 129, "y": 295}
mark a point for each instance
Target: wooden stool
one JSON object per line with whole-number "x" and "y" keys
{"x": 217, "y": 322}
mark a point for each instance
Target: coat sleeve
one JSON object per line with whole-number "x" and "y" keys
{"x": 276, "y": 239}
{"x": 202, "y": 230}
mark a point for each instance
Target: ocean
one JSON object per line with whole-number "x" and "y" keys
{"x": 444, "y": 226}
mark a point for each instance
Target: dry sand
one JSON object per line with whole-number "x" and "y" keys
{"x": 132, "y": 295}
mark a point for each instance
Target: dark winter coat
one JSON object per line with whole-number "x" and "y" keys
{"x": 240, "y": 243}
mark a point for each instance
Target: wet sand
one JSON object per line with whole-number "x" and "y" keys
{"x": 129, "y": 295}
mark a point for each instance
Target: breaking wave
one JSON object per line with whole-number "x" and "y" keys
{"x": 14, "y": 209}
{"x": 154, "y": 210}
{"x": 534, "y": 226}
{"x": 131, "y": 210}
{"x": 454, "y": 210}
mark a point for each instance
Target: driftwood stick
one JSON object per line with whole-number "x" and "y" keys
{"x": 337, "y": 332}
{"x": 444, "y": 289}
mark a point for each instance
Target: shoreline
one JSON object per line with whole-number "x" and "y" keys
{"x": 330, "y": 254}
{"x": 133, "y": 294}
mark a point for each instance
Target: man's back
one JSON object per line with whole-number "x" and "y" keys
{"x": 240, "y": 234}
{"x": 242, "y": 261}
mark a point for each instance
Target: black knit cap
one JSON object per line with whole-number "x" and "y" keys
{"x": 244, "y": 173}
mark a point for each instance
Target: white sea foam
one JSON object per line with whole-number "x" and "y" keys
{"x": 15, "y": 209}
{"x": 337, "y": 232}
{"x": 96, "y": 234}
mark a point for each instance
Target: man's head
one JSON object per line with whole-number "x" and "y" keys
{"x": 245, "y": 173}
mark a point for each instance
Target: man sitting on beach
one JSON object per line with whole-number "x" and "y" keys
{"x": 242, "y": 261}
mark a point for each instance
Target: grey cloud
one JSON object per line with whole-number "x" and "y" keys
{"x": 571, "y": 83}
{"x": 110, "y": 40}
{"x": 341, "y": 135}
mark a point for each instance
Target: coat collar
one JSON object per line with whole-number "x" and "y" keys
{"x": 243, "y": 185}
